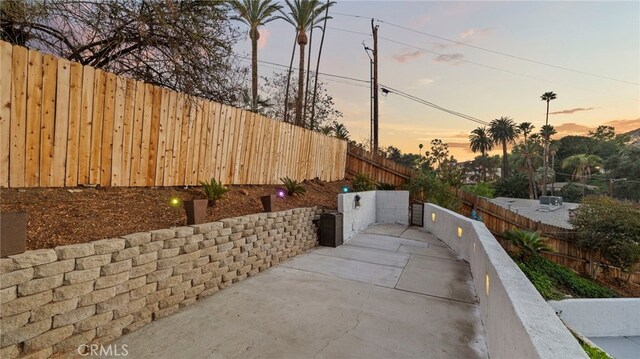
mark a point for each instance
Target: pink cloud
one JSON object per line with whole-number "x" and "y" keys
{"x": 264, "y": 37}
{"x": 570, "y": 111}
{"x": 407, "y": 56}
{"x": 454, "y": 59}
{"x": 474, "y": 33}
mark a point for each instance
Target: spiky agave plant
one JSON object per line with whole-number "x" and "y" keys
{"x": 530, "y": 243}
{"x": 214, "y": 190}
{"x": 293, "y": 187}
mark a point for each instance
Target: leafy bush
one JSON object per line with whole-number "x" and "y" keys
{"x": 363, "y": 182}
{"x": 293, "y": 187}
{"x": 213, "y": 190}
{"x": 426, "y": 186}
{"x": 481, "y": 189}
{"x": 514, "y": 186}
{"x": 552, "y": 279}
{"x": 385, "y": 186}
{"x": 571, "y": 193}
{"x": 530, "y": 243}
{"x": 611, "y": 227}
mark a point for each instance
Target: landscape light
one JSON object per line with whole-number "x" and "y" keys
{"x": 486, "y": 283}
{"x": 459, "y": 232}
{"x": 433, "y": 216}
{"x": 175, "y": 201}
{"x": 345, "y": 189}
{"x": 280, "y": 193}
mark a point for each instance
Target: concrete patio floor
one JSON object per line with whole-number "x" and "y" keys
{"x": 389, "y": 292}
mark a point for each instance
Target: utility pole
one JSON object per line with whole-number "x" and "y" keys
{"x": 375, "y": 87}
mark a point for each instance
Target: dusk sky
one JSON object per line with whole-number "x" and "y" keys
{"x": 599, "y": 39}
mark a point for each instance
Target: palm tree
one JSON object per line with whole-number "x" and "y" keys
{"x": 340, "y": 131}
{"x": 480, "y": 141}
{"x": 526, "y": 128}
{"x": 547, "y": 96}
{"x": 582, "y": 165}
{"x": 546, "y": 132}
{"x": 325, "y": 130}
{"x": 503, "y": 131}
{"x": 303, "y": 14}
{"x": 254, "y": 13}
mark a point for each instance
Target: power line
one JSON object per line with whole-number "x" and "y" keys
{"x": 493, "y": 51}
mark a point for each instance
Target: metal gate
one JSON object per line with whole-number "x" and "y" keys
{"x": 417, "y": 214}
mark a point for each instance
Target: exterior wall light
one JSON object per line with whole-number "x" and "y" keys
{"x": 460, "y": 232}
{"x": 486, "y": 283}
{"x": 433, "y": 216}
{"x": 474, "y": 246}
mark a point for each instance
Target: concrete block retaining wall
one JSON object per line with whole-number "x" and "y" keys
{"x": 375, "y": 207}
{"x": 518, "y": 322}
{"x": 54, "y": 300}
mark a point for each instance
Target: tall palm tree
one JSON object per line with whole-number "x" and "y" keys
{"x": 525, "y": 128}
{"x": 303, "y": 14}
{"x": 503, "y": 131}
{"x": 547, "y": 96}
{"x": 255, "y": 13}
{"x": 480, "y": 141}
{"x": 582, "y": 165}
{"x": 546, "y": 132}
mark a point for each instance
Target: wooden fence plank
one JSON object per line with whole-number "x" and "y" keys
{"x": 6, "y": 77}
{"x": 136, "y": 139}
{"x": 95, "y": 154}
{"x": 171, "y": 130}
{"x": 34, "y": 118}
{"x": 179, "y": 133}
{"x": 118, "y": 131}
{"x": 20, "y": 59}
{"x": 153, "y": 157}
{"x": 202, "y": 144}
{"x": 88, "y": 87}
{"x": 61, "y": 124}
{"x": 210, "y": 144}
{"x": 106, "y": 158}
{"x": 76, "y": 79}
{"x": 190, "y": 141}
{"x": 197, "y": 138}
{"x": 226, "y": 147}
{"x": 162, "y": 137}
{"x": 234, "y": 119}
{"x": 47, "y": 128}
{"x": 141, "y": 179}
{"x": 129, "y": 128}
{"x": 184, "y": 139}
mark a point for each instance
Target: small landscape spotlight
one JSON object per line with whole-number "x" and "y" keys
{"x": 459, "y": 232}
{"x": 486, "y": 283}
{"x": 280, "y": 193}
{"x": 345, "y": 189}
{"x": 433, "y": 216}
{"x": 175, "y": 201}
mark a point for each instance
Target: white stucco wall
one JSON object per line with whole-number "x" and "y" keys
{"x": 518, "y": 322}
{"x": 375, "y": 207}
{"x": 611, "y": 317}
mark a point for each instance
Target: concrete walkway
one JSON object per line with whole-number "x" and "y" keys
{"x": 389, "y": 292}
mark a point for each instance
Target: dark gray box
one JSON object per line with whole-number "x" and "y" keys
{"x": 331, "y": 229}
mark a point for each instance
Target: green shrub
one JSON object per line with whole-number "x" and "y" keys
{"x": 611, "y": 227}
{"x": 363, "y": 182}
{"x": 481, "y": 189}
{"x": 213, "y": 190}
{"x": 514, "y": 186}
{"x": 541, "y": 271}
{"x": 385, "y": 186}
{"x": 293, "y": 187}
{"x": 427, "y": 187}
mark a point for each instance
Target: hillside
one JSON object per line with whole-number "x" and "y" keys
{"x": 634, "y": 137}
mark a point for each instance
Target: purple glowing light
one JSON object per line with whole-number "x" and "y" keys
{"x": 281, "y": 193}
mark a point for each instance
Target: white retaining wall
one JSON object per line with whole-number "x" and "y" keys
{"x": 611, "y": 317}
{"x": 375, "y": 207}
{"x": 518, "y": 322}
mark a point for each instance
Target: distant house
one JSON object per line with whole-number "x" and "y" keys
{"x": 531, "y": 208}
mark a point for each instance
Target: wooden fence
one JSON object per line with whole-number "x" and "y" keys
{"x": 563, "y": 241}
{"x": 381, "y": 169}
{"x": 64, "y": 124}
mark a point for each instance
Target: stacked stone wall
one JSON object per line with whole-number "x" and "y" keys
{"x": 56, "y": 300}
